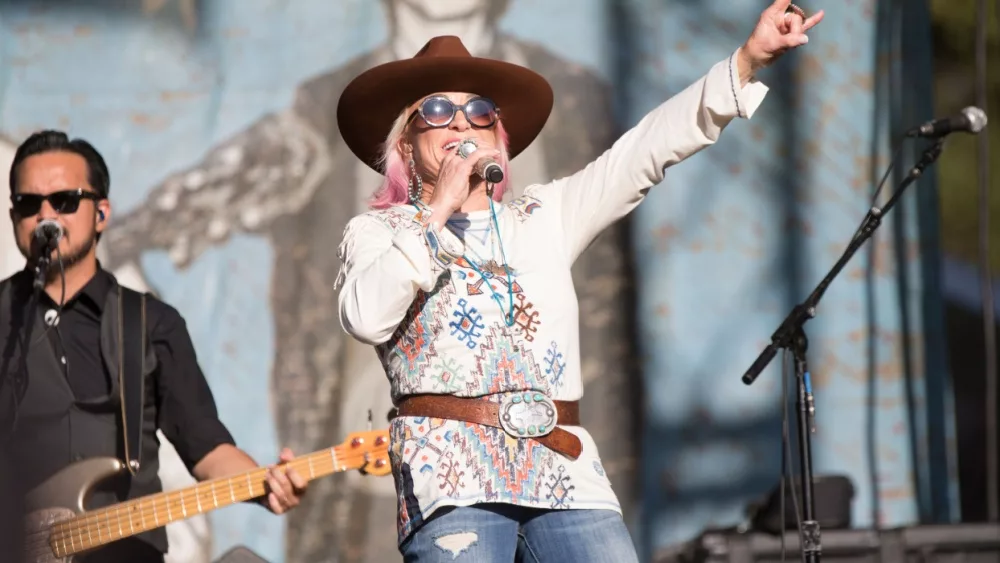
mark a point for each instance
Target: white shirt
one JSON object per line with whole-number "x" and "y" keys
{"x": 437, "y": 327}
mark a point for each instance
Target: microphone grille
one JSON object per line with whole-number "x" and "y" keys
{"x": 51, "y": 228}
{"x": 977, "y": 118}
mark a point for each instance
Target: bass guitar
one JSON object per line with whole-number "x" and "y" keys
{"x": 58, "y": 527}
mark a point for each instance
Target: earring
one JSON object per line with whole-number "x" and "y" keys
{"x": 416, "y": 183}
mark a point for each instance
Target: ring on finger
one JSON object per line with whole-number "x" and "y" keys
{"x": 793, "y": 9}
{"x": 470, "y": 141}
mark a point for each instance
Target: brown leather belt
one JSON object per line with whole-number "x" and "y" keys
{"x": 487, "y": 413}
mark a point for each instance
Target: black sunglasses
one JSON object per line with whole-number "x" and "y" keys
{"x": 65, "y": 202}
{"x": 439, "y": 111}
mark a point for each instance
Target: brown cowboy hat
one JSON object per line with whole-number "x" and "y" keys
{"x": 374, "y": 99}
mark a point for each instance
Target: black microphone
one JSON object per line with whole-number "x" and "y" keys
{"x": 47, "y": 235}
{"x": 486, "y": 168}
{"x": 971, "y": 120}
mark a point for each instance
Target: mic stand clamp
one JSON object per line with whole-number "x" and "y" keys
{"x": 42, "y": 253}
{"x": 41, "y": 270}
{"x": 791, "y": 336}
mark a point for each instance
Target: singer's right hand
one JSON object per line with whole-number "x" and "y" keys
{"x": 455, "y": 178}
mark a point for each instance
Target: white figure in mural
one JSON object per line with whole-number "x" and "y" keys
{"x": 285, "y": 210}
{"x": 283, "y": 178}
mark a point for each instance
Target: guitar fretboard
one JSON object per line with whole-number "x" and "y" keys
{"x": 103, "y": 526}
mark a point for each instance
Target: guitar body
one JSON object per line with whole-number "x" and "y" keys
{"x": 59, "y": 498}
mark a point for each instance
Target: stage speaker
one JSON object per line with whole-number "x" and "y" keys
{"x": 955, "y": 543}
{"x": 240, "y": 554}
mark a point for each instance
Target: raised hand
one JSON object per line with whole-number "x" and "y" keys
{"x": 455, "y": 178}
{"x": 778, "y": 30}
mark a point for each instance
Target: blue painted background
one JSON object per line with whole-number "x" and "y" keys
{"x": 723, "y": 249}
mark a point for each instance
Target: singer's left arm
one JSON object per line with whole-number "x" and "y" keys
{"x": 614, "y": 184}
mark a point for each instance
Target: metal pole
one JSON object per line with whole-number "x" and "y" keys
{"x": 985, "y": 279}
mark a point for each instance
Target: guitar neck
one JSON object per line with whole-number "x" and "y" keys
{"x": 103, "y": 526}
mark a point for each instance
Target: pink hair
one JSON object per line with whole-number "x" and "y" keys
{"x": 395, "y": 189}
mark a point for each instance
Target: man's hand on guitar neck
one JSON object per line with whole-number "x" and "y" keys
{"x": 285, "y": 485}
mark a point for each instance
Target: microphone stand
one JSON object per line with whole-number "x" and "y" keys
{"x": 41, "y": 271}
{"x": 790, "y": 335}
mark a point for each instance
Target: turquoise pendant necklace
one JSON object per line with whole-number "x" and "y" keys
{"x": 508, "y": 312}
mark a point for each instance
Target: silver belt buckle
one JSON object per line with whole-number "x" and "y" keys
{"x": 528, "y": 414}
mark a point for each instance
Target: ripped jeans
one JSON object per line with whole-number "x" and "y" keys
{"x": 499, "y": 533}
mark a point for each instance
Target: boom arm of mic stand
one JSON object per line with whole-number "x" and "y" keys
{"x": 783, "y": 337}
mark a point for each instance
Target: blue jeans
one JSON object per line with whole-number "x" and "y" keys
{"x": 500, "y": 533}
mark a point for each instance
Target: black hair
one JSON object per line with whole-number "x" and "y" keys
{"x": 52, "y": 141}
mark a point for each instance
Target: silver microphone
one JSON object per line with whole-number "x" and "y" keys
{"x": 970, "y": 120}
{"x": 486, "y": 168}
{"x": 44, "y": 239}
{"x": 48, "y": 233}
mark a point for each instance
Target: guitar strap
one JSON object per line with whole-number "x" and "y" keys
{"x": 131, "y": 370}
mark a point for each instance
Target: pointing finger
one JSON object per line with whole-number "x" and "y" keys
{"x": 813, "y": 20}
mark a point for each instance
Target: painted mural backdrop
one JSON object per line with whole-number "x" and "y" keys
{"x": 231, "y": 188}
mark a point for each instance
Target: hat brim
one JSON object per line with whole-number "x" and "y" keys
{"x": 372, "y": 101}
